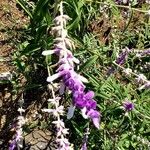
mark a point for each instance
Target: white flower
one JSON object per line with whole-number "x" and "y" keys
{"x": 69, "y": 43}
{"x": 65, "y": 131}
{"x": 59, "y": 132}
{"x": 59, "y": 39}
{"x": 82, "y": 79}
{"x": 148, "y": 1}
{"x": 60, "y": 45}
{"x": 59, "y": 123}
{"x": 47, "y": 110}
{"x": 53, "y": 77}
{"x": 76, "y": 60}
{"x": 20, "y": 142}
{"x": 21, "y": 120}
{"x": 84, "y": 113}
{"x": 145, "y": 86}
{"x": 48, "y": 52}
{"x": 63, "y": 142}
{"x": 64, "y": 33}
{"x": 19, "y": 133}
{"x": 127, "y": 71}
{"x": 21, "y": 110}
{"x": 138, "y": 55}
{"x": 141, "y": 78}
{"x": 62, "y": 131}
{"x": 56, "y": 28}
{"x": 125, "y": 1}
{"x": 54, "y": 100}
{"x": 60, "y": 110}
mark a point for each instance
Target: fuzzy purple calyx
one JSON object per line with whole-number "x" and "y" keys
{"x": 128, "y": 106}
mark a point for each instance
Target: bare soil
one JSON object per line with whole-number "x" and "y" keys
{"x": 12, "y": 21}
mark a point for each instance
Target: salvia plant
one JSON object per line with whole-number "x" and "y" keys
{"x": 69, "y": 80}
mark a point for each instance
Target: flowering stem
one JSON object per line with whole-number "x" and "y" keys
{"x": 18, "y": 139}
{"x": 140, "y": 79}
{"x": 134, "y": 74}
{"x": 57, "y": 111}
{"x": 70, "y": 80}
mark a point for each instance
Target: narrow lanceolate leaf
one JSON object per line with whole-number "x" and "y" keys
{"x": 39, "y": 7}
{"x": 93, "y": 79}
{"x": 89, "y": 62}
{"x": 30, "y": 49}
{"x": 77, "y": 128}
{"x": 23, "y": 4}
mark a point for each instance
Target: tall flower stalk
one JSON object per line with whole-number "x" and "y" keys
{"x": 139, "y": 78}
{"x": 58, "y": 111}
{"x": 17, "y": 141}
{"x": 71, "y": 80}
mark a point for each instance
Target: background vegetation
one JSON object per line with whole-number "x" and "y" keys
{"x": 100, "y": 30}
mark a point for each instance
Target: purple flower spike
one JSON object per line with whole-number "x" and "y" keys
{"x": 123, "y": 56}
{"x": 71, "y": 80}
{"x": 121, "y": 59}
{"x": 128, "y": 106}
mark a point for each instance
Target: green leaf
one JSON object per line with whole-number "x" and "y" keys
{"x": 30, "y": 49}
{"x": 77, "y": 128}
{"x": 104, "y": 95}
{"x": 89, "y": 62}
{"x": 39, "y": 6}
{"x": 92, "y": 79}
{"x": 20, "y": 65}
{"x": 24, "y": 6}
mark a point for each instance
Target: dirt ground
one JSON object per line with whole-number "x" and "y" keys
{"x": 12, "y": 21}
